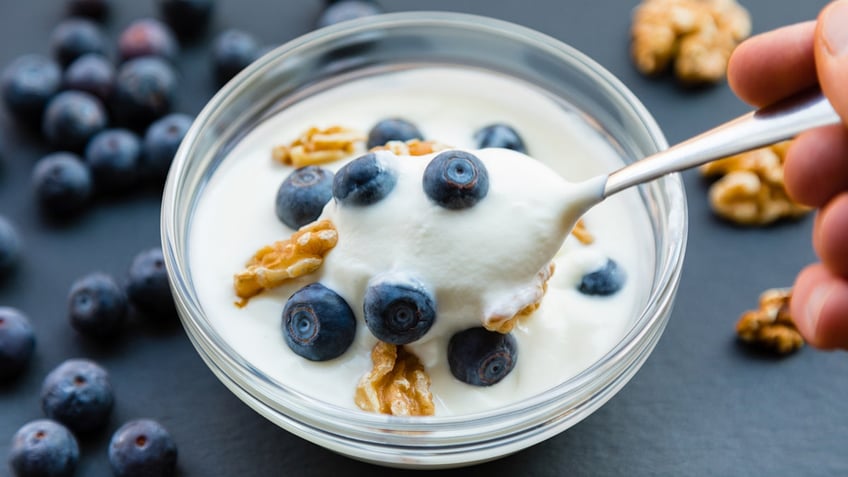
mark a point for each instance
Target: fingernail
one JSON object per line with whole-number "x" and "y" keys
{"x": 815, "y": 303}
{"x": 835, "y": 28}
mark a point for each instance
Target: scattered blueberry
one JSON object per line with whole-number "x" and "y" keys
{"x": 399, "y": 312}
{"x": 303, "y": 195}
{"x": 481, "y": 357}
{"x": 93, "y": 74}
{"x": 72, "y": 118}
{"x": 97, "y": 9}
{"x": 392, "y": 129}
{"x": 10, "y": 245}
{"x": 148, "y": 288}
{"x": 28, "y": 83}
{"x": 114, "y": 157}
{"x": 344, "y": 10}
{"x": 161, "y": 141}
{"x": 186, "y": 17}
{"x": 76, "y": 37}
{"x": 604, "y": 281}
{"x": 317, "y": 323}
{"x": 499, "y": 135}
{"x": 456, "y": 180}
{"x": 97, "y": 305}
{"x": 147, "y": 37}
{"x": 145, "y": 90}
{"x": 43, "y": 448}
{"x": 365, "y": 180}
{"x": 78, "y": 394}
{"x": 17, "y": 342}
{"x": 142, "y": 448}
{"x": 62, "y": 183}
{"x": 232, "y": 51}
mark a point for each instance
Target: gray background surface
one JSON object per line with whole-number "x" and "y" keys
{"x": 701, "y": 405}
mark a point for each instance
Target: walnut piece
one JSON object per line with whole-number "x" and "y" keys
{"x": 398, "y": 384}
{"x": 412, "y": 147}
{"x": 770, "y": 326}
{"x": 751, "y": 190}
{"x": 319, "y": 146}
{"x": 581, "y": 233}
{"x": 697, "y": 36}
{"x": 519, "y": 306}
{"x": 273, "y": 264}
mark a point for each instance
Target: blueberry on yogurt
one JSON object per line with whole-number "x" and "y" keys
{"x": 392, "y": 129}
{"x": 364, "y": 181}
{"x": 481, "y": 357}
{"x": 604, "y": 281}
{"x": 456, "y": 180}
{"x": 499, "y": 135}
{"x": 303, "y": 195}
{"x": 318, "y": 324}
{"x": 399, "y": 312}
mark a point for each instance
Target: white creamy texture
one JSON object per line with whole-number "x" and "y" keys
{"x": 473, "y": 261}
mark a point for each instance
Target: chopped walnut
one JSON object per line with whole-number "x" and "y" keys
{"x": 581, "y": 233}
{"x": 398, "y": 384}
{"x": 506, "y": 315}
{"x": 412, "y": 147}
{"x": 751, "y": 190}
{"x": 273, "y": 264}
{"x": 319, "y": 146}
{"x": 771, "y": 326}
{"x": 698, "y": 36}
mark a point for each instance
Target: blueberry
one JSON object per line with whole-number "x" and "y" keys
{"x": 17, "y": 342}
{"x": 399, "y": 312}
{"x": 43, "y": 448}
{"x": 317, "y": 323}
{"x": 147, "y": 37}
{"x": 28, "y": 83}
{"x": 161, "y": 141}
{"x": 148, "y": 288}
{"x": 10, "y": 246}
{"x": 456, "y": 180}
{"x": 605, "y": 281}
{"x": 481, "y": 357}
{"x": 392, "y": 129}
{"x": 72, "y": 118}
{"x": 97, "y": 305}
{"x": 78, "y": 394}
{"x": 365, "y": 180}
{"x": 145, "y": 90}
{"x": 232, "y": 51}
{"x": 344, "y": 10}
{"x": 96, "y": 9}
{"x": 75, "y": 37}
{"x": 114, "y": 157}
{"x": 142, "y": 448}
{"x": 62, "y": 183}
{"x": 186, "y": 17}
{"x": 499, "y": 135}
{"x": 93, "y": 74}
{"x": 303, "y": 194}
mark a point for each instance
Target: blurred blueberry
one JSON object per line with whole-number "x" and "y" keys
{"x": 72, "y": 118}
{"x": 62, "y": 183}
{"x": 97, "y": 305}
{"x": 604, "y": 281}
{"x": 10, "y": 246}
{"x": 114, "y": 157}
{"x": 27, "y": 84}
{"x": 43, "y": 448}
{"x": 17, "y": 342}
{"x": 93, "y": 74}
{"x": 147, "y": 37}
{"x": 78, "y": 393}
{"x": 161, "y": 142}
{"x": 186, "y": 17}
{"x": 145, "y": 90}
{"x": 75, "y": 37}
{"x": 142, "y": 448}
{"x": 344, "y": 10}
{"x": 232, "y": 51}
{"x": 392, "y": 129}
{"x": 499, "y": 135}
{"x": 364, "y": 181}
{"x": 148, "y": 288}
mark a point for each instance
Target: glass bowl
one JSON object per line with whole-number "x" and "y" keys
{"x": 389, "y": 42}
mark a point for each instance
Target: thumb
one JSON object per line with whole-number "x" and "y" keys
{"x": 831, "y": 50}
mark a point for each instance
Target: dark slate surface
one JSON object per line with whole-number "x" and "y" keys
{"x": 701, "y": 405}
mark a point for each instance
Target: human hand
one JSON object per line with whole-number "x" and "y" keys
{"x": 772, "y": 66}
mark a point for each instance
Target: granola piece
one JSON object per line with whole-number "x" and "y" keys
{"x": 273, "y": 264}
{"x": 751, "y": 190}
{"x": 771, "y": 326}
{"x": 581, "y": 233}
{"x": 398, "y": 384}
{"x": 522, "y": 304}
{"x": 697, "y": 36}
{"x": 412, "y": 147}
{"x": 319, "y": 146}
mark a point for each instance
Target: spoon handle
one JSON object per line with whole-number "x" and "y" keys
{"x": 771, "y": 124}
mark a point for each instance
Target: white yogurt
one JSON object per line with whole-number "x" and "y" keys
{"x": 235, "y": 217}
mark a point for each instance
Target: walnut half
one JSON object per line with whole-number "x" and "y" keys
{"x": 771, "y": 326}
{"x": 319, "y": 146}
{"x": 398, "y": 384}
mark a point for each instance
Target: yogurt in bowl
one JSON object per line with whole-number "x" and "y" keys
{"x": 507, "y": 254}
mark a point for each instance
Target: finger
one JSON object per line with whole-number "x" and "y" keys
{"x": 819, "y": 307}
{"x": 831, "y": 53}
{"x": 829, "y": 235}
{"x": 816, "y": 167}
{"x": 773, "y": 65}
